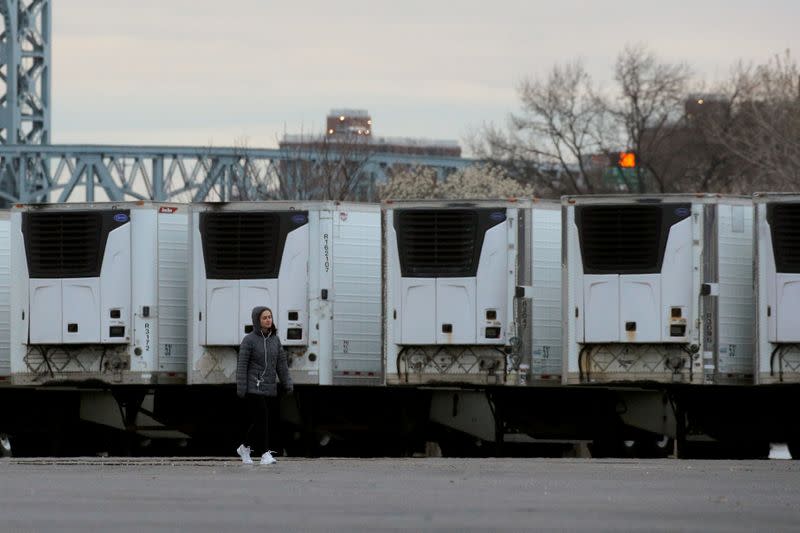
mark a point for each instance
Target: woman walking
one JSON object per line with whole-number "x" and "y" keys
{"x": 261, "y": 361}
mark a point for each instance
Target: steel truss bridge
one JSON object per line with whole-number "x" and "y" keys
{"x": 61, "y": 173}
{"x": 33, "y": 170}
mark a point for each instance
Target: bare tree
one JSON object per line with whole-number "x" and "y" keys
{"x": 252, "y": 179}
{"x": 738, "y": 138}
{"x": 649, "y": 104}
{"x": 567, "y": 128}
{"x": 319, "y": 167}
{"x": 563, "y": 122}
{"x": 682, "y": 155}
{"x": 312, "y": 167}
{"x": 762, "y": 129}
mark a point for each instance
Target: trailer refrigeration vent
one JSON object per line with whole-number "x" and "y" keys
{"x": 246, "y": 245}
{"x": 784, "y": 223}
{"x": 68, "y": 244}
{"x": 443, "y": 243}
{"x": 438, "y": 243}
{"x": 626, "y": 239}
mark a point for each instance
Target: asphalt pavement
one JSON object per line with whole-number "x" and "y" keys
{"x": 398, "y": 494}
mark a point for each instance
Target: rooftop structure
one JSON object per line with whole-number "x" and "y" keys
{"x": 354, "y": 127}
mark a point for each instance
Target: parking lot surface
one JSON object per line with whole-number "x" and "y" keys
{"x": 213, "y": 494}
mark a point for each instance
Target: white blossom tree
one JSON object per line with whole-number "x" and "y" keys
{"x": 473, "y": 182}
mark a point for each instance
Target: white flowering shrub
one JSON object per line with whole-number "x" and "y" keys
{"x": 474, "y": 182}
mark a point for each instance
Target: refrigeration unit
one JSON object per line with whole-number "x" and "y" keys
{"x": 316, "y": 265}
{"x": 777, "y": 249}
{"x": 658, "y": 288}
{"x": 98, "y": 292}
{"x": 451, "y": 273}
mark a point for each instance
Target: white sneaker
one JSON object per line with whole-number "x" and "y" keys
{"x": 244, "y": 453}
{"x": 267, "y": 458}
{"x": 5, "y": 446}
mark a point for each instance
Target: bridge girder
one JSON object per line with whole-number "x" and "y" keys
{"x": 63, "y": 173}
{"x": 25, "y": 47}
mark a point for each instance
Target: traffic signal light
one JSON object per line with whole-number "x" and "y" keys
{"x": 626, "y": 160}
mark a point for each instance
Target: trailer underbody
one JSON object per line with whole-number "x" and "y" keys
{"x": 633, "y": 420}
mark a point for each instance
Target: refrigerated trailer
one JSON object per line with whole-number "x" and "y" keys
{"x": 777, "y": 283}
{"x": 315, "y": 264}
{"x": 475, "y": 407}
{"x": 658, "y": 288}
{"x": 541, "y": 315}
{"x": 5, "y": 298}
{"x": 98, "y": 292}
{"x": 451, "y": 270}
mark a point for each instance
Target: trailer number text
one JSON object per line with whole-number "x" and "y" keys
{"x": 325, "y": 250}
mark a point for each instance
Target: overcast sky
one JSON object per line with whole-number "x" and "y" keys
{"x": 201, "y": 72}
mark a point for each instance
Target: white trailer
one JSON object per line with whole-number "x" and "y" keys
{"x": 451, "y": 271}
{"x": 5, "y": 298}
{"x": 777, "y": 287}
{"x": 658, "y": 288}
{"x": 98, "y": 292}
{"x": 543, "y": 262}
{"x": 315, "y": 264}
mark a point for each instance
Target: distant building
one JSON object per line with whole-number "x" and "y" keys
{"x": 354, "y": 126}
{"x": 342, "y": 122}
{"x": 348, "y": 147}
{"x": 700, "y": 106}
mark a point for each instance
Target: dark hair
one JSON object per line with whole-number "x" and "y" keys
{"x": 273, "y": 330}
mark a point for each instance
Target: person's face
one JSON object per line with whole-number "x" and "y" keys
{"x": 266, "y": 319}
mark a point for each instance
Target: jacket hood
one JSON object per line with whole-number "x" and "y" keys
{"x": 257, "y": 313}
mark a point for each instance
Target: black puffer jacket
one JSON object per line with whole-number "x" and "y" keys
{"x": 261, "y": 361}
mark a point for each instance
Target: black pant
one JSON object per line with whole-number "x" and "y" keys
{"x": 256, "y": 433}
